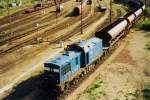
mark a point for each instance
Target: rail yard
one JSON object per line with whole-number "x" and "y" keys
{"x": 48, "y": 51}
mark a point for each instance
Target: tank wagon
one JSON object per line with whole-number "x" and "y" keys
{"x": 112, "y": 33}
{"x": 82, "y": 57}
{"x": 77, "y": 10}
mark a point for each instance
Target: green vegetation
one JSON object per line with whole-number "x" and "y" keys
{"x": 94, "y": 91}
{"x": 145, "y": 25}
{"x": 148, "y": 11}
{"x": 20, "y": 4}
{"x": 93, "y": 87}
{"x": 135, "y": 94}
{"x": 146, "y": 93}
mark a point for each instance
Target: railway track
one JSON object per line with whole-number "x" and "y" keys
{"x": 21, "y": 14}
{"x": 26, "y": 25}
{"x": 62, "y": 37}
{"x": 30, "y": 27}
{"x": 20, "y": 26}
{"x": 76, "y": 30}
{"x": 35, "y": 35}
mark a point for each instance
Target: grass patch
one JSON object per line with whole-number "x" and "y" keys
{"x": 146, "y": 93}
{"x": 24, "y": 4}
{"x": 147, "y": 11}
{"x": 145, "y": 25}
{"x": 135, "y": 94}
{"x": 93, "y": 87}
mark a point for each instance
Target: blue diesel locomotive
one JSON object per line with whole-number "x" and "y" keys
{"x": 74, "y": 62}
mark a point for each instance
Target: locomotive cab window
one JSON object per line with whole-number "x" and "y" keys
{"x": 53, "y": 70}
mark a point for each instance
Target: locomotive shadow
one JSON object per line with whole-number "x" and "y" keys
{"x": 28, "y": 89}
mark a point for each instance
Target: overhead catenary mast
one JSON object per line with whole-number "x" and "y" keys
{"x": 81, "y": 19}
{"x": 110, "y": 11}
{"x": 145, "y": 2}
{"x": 8, "y": 14}
{"x": 57, "y": 5}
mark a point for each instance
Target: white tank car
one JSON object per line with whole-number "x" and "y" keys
{"x": 131, "y": 18}
{"x": 118, "y": 28}
{"x": 138, "y": 12}
{"x": 143, "y": 7}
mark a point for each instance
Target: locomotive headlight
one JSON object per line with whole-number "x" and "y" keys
{"x": 47, "y": 68}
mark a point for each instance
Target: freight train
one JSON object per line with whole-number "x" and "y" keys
{"x": 81, "y": 57}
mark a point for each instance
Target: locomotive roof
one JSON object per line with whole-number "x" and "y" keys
{"x": 86, "y": 44}
{"x": 62, "y": 59}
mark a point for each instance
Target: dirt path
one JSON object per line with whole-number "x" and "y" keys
{"x": 123, "y": 76}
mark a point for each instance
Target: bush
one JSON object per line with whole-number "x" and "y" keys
{"x": 145, "y": 25}
{"x": 1, "y": 7}
{"x": 147, "y": 11}
{"x": 146, "y": 93}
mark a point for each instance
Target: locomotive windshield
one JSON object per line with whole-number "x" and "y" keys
{"x": 52, "y": 70}
{"x": 52, "y": 73}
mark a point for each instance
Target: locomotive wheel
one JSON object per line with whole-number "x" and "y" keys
{"x": 60, "y": 90}
{"x": 82, "y": 74}
{"x": 67, "y": 85}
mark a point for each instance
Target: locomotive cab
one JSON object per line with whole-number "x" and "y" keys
{"x": 52, "y": 73}
{"x": 61, "y": 69}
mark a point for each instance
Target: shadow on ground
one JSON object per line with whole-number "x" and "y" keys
{"x": 32, "y": 89}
